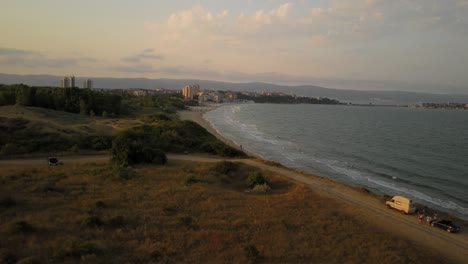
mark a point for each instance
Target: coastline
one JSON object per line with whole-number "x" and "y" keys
{"x": 365, "y": 204}
{"x": 195, "y": 114}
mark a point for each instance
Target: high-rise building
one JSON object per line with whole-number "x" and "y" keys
{"x": 189, "y": 92}
{"x": 88, "y": 84}
{"x": 67, "y": 82}
{"x": 72, "y": 81}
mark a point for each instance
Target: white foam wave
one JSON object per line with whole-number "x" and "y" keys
{"x": 394, "y": 188}
{"x": 421, "y": 196}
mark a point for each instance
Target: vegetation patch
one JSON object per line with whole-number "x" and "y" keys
{"x": 136, "y": 147}
{"x": 255, "y": 178}
{"x": 7, "y": 202}
{"x": 190, "y": 180}
{"x": 122, "y": 172}
{"x": 252, "y": 253}
{"x": 225, "y": 167}
{"x": 22, "y": 227}
{"x": 77, "y": 248}
{"x": 117, "y": 221}
{"x": 155, "y": 218}
{"x": 93, "y": 221}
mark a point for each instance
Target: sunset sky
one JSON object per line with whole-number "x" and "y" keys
{"x": 285, "y": 42}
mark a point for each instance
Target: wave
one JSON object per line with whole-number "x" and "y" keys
{"x": 393, "y": 188}
{"x": 317, "y": 144}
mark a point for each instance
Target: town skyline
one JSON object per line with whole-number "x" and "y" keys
{"x": 283, "y": 42}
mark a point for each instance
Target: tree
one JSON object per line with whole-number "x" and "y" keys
{"x": 25, "y": 95}
{"x": 83, "y": 107}
{"x": 131, "y": 148}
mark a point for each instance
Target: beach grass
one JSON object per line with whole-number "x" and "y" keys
{"x": 178, "y": 213}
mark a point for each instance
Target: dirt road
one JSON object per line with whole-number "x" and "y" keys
{"x": 371, "y": 209}
{"x": 365, "y": 206}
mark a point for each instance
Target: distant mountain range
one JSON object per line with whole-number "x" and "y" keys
{"x": 343, "y": 95}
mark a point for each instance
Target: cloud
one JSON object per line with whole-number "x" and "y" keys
{"x": 145, "y": 55}
{"x": 298, "y": 37}
{"x": 35, "y": 59}
{"x": 187, "y": 23}
{"x": 261, "y": 18}
{"x": 358, "y": 20}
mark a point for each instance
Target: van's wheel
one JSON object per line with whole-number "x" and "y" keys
{"x": 432, "y": 224}
{"x": 448, "y": 230}
{"x": 389, "y": 207}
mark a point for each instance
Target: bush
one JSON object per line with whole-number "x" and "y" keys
{"x": 155, "y": 117}
{"x": 78, "y": 249}
{"x": 225, "y": 167}
{"x": 7, "y": 202}
{"x": 255, "y": 178}
{"x": 8, "y": 258}
{"x": 22, "y": 227}
{"x": 117, "y": 222}
{"x": 123, "y": 172}
{"x": 190, "y": 180}
{"x": 261, "y": 188}
{"x": 29, "y": 260}
{"x": 135, "y": 148}
{"x": 93, "y": 221}
{"x": 251, "y": 252}
{"x": 185, "y": 221}
{"x": 219, "y": 148}
{"x": 100, "y": 205}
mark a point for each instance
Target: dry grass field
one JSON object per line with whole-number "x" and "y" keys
{"x": 63, "y": 121}
{"x": 180, "y": 213}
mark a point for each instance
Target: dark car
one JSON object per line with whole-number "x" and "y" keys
{"x": 54, "y": 161}
{"x": 446, "y": 225}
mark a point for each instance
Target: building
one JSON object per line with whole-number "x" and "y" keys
{"x": 67, "y": 82}
{"x": 190, "y": 91}
{"x": 230, "y": 95}
{"x": 88, "y": 84}
{"x": 211, "y": 96}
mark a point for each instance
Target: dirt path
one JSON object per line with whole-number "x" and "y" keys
{"x": 365, "y": 206}
{"x": 454, "y": 246}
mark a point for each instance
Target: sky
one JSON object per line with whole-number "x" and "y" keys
{"x": 420, "y": 42}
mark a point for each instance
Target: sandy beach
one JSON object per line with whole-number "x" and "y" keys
{"x": 195, "y": 114}
{"x": 360, "y": 202}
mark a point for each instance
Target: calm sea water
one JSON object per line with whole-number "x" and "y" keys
{"x": 420, "y": 153}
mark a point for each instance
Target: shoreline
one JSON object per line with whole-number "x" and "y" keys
{"x": 363, "y": 203}
{"x": 196, "y": 113}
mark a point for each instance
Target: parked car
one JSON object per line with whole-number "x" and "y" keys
{"x": 446, "y": 225}
{"x": 54, "y": 161}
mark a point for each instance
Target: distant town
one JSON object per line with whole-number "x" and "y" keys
{"x": 441, "y": 106}
{"x": 195, "y": 94}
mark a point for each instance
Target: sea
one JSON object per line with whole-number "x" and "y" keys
{"x": 414, "y": 152}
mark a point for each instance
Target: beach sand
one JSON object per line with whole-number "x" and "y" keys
{"x": 361, "y": 203}
{"x": 195, "y": 114}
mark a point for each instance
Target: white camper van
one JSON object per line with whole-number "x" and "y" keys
{"x": 401, "y": 203}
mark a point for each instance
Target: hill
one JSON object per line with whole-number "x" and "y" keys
{"x": 27, "y": 130}
{"x": 387, "y": 97}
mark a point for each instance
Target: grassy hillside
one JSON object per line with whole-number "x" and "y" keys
{"x": 63, "y": 120}
{"x": 26, "y": 130}
{"x": 182, "y": 212}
